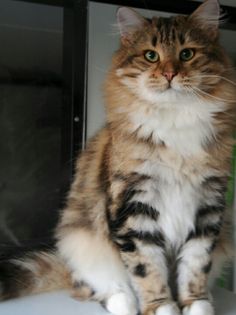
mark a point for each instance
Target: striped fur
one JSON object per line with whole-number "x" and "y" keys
{"x": 145, "y": 226}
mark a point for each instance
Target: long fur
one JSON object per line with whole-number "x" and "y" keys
{"x": 145, "y": 226}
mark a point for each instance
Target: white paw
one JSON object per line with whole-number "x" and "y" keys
{"x": 168, "y": 309}
{"x": 121, "y": 304}
{"x": 200, "y": 307}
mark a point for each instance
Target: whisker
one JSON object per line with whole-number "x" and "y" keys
{"x": 230, "y": 68}
{"x": 212, "y": 96}
{"x": 158, "y": 86}
{"x": 195, "y": 94}
{"x": 214, "y": 76}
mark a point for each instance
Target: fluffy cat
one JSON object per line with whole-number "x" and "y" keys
{"x": 145, "y": 229}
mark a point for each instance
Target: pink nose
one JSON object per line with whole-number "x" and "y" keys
{"x": 169, "y": 75}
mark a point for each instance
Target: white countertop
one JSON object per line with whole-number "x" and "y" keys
{"x": 60, "y": 303}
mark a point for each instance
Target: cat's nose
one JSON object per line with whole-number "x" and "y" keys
{"x": 169, "y": 75}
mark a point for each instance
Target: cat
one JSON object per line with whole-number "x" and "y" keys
{"x": 145, "y": 228}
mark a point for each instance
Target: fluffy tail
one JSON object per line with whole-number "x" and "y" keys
{"x": 36, "y": 272}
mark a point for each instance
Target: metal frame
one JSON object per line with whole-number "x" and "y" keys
{"x": 75, "y": 85}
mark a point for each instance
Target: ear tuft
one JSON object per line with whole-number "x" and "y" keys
{"x": 208, "y": 13}
{"x": 129, "y": 21}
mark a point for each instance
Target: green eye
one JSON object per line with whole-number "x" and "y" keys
{"x": 151, "y": 56}
{"x": 186, "y": 54}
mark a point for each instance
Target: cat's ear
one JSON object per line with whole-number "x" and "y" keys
{"x": 208, "y": 15}
{"x": 129, "y": 21}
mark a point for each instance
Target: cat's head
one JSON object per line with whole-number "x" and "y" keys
{"x": 161, "y": 58}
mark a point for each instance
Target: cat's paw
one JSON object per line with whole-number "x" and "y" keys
{"x": 121, "y": 304}
{"x": 201, "y": 307}
{"x": 168, "y": 309}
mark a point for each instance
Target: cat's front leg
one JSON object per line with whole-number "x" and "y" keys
{"x": 193, "y": 269}
{"x": 144, "y": 256}
{"x": 196, "y": 258}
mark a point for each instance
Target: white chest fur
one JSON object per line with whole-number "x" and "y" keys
{"x": 184, "y": 124}
{"x": 177, "y": 207}
{"x": 176, "y": 202}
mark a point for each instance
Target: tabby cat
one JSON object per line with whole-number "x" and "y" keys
{"x": 145, "y": 229}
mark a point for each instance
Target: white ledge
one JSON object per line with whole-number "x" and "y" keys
{"x": 60, "y": 303}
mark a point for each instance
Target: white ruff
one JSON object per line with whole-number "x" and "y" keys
{"x": 180, "y": 119}
{"x": 184, "y": 125}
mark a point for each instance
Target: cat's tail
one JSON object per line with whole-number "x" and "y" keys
{"x": 35, "y": 272}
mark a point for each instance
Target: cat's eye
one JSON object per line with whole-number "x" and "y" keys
{"x": 186, "y": 54}
{"x": 151, "y": 56}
